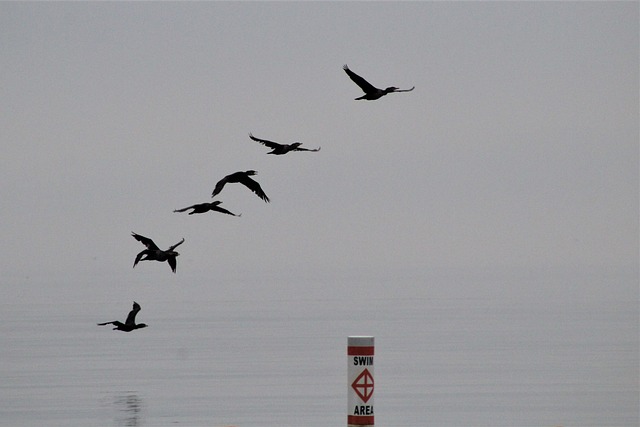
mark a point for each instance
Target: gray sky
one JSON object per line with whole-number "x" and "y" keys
{"x": 517, "y": 151}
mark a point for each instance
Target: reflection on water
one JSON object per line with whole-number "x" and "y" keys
{"x": 129, "y": 407}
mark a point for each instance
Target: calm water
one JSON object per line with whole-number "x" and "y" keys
{"x": 273, "y": 361}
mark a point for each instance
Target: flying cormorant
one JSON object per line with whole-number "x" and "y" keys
{"x": 206, "y": 207}
{"x": 244, "y": 179}
{"x": 153, "y": 253}
{"x": 281, "y": 148}
{"x": 371, "y": 92}
{"x": 130, "y": 324}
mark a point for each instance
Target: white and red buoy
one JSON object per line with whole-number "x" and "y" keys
{"x": 360, "y": 351}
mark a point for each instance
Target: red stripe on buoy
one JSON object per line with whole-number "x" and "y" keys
{"x": 360, "y": 420}
{"x": 360, "y": 351}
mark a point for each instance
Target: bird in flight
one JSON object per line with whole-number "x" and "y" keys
{"x": 206, "y": 207}
{"x": 130, "y": 324}
{"x": 371, "y": 92}
{"x": 153, "y": 253}
{"x": 281, "y": 148}
{"x": 243, "y": 178}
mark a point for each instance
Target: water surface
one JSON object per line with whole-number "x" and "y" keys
{"x": 272, "y": 361}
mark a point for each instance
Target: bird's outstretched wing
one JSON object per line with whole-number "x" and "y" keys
{"x": 364, "y": 85}
{"x": 184, "y": 209}
{"x": 131, "y": 318}
{"x": 219, "y": 186}
{"x": 223, "y": 210}
{"x": 172, "y": 263}
{"x": 114, "y": 323}
{"x": 265, "y": 142}
{"x": 405, "y": 90}
{"x": 306, "y": 149}
{"x": 255, "y": 187}
{"x": 145, "y": 241}
{"x": 176, "y": 245}
{"x": 139, "y": 257}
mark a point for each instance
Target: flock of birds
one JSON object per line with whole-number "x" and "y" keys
{"x": 154, "y": 253}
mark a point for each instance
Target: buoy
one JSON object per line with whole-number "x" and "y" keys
{"x": 360, "y": 352}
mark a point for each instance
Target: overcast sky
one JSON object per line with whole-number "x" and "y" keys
{"x": 517, "y": 150}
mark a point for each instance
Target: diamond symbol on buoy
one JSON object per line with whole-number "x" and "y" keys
{"x": 363, "y": 385}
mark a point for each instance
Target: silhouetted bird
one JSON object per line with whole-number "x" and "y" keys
{"x": 371, "y": 92}
{"x": 244, "y": 179}
{"x": 130, "y": 324}
{"x": 153, "y": 253}
{"x": 281, "y": 148}
{"x": 206, "y": 207}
